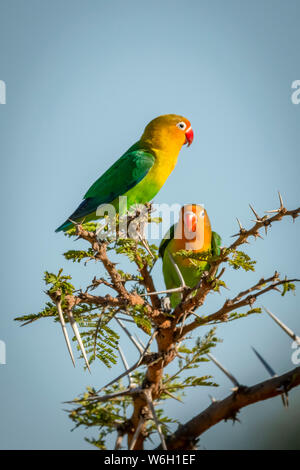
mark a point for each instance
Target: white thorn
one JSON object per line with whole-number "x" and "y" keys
{"x": 135, "y": 366}
{"x": 140, "y": 341}
{"x": 280, "y": 200}
{"x": 168, "y": 291}
{"x": 255, "y": 213}
{"x": 137, "y": 433}
{"x": 145, "y": 245}
{"x": 272, "y": 211}
{"x": 182, "y": 281}
{"x": 285, "y": 328}
{"x": 149, "y": 342}
{"x": 196, "y": 315}
{"x": 226, "y": 372}
{"x": 240, "y": 225}
{"x": 78, "y": 337}
{"x": 212, "y": 399}
{"x": 125, "y": 365}
{"x": 151, "y": 407}
{"x": 172, "y": 396}
{"x": 119, "y": 441}
{"x": 64, "y": 329}
{"x": 126, "y": 319}
{"x": 135, "y": 342}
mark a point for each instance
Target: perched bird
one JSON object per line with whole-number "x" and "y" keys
{"x": 191, "y": 233}
{"x": 140, "y": 172}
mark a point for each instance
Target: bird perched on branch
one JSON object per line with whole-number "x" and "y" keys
{"x": 193, "y": 234}
{"x": 140, "y": 173}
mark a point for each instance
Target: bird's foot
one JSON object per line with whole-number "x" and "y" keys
{"x": 166, "y": 304}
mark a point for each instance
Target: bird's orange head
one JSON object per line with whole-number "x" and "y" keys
{"x": 193, "y": 230}
{"x": 168, "y": 132}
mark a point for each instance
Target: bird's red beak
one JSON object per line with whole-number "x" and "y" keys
{"x": 189, "y": 136}
{"x": 190, "y": 221}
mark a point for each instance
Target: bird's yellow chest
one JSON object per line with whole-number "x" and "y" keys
{"x": 164, "y": 165}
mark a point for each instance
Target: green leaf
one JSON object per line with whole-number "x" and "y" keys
{"x": 241, "y": 260}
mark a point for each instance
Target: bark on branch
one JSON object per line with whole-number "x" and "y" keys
{"x": 228, "y": 408}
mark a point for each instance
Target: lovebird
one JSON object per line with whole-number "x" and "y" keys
{"x": 191, "y": 233}
{"x": 141, "y": 172}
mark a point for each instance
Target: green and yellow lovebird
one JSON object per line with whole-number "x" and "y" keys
{"x": 191, "y": 233}
{"x": 140, "y": 172}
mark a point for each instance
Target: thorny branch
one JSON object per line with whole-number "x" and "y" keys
{"x": 241, "y": 300}
{"x": 229, "y": 407}
{"x": 168, "y": 334}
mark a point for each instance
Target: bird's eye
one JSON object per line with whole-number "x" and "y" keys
{"x": 202, "y": 214}
{"x": 181, "y": 125}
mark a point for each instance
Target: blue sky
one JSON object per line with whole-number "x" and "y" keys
{"x": 83, "y": 79}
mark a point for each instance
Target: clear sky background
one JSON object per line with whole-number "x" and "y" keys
{"x": 83, "y": 79}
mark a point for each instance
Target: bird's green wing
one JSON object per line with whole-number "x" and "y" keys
{"x": 123, "y": 175}
{"x": 215, "y": 243}
{"x": 169, "y": 235}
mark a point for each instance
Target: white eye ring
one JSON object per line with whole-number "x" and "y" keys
{"x": 181, "y": 125}
{"x": 202, "y": 214}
